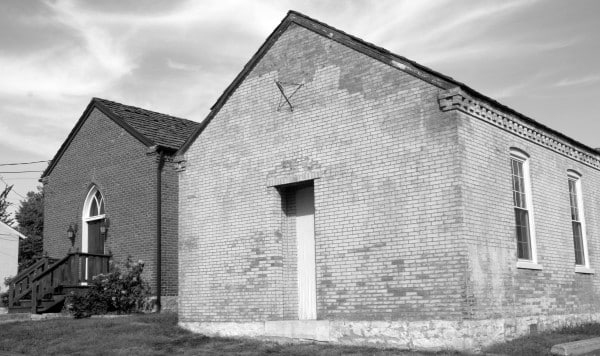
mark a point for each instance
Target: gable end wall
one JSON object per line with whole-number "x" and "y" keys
{"x": 104, "y": 154}
{"x": 386, "y": 173}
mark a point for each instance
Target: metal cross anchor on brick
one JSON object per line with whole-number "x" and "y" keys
{"x": 287, "y": 91}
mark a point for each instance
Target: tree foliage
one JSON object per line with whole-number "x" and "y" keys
{"x": 30, "y": 217}
{"x": 31, "y": 214}
{"x": 4, "y": 204}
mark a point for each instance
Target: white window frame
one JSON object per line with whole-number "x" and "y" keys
{"x": 576, "y": 177}
{"x": 524, "y": 159}
{"x": 85, "y": 216}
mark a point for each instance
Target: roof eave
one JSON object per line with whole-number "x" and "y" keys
{"x": 94, "y": 103}
{"x": 376, "y": 52}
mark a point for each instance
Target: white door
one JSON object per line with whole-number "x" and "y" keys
{"x": 305, "y": 242}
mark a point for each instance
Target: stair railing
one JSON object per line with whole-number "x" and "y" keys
{"x": 75, "y": 269}
{"x": 21, "y": 285}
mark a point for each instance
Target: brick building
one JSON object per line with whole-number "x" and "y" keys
{"x": 112, "y": 170}
{"x": 340, "y": 192}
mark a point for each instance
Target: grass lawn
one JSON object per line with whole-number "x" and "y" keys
{"x": 150, "y": 335}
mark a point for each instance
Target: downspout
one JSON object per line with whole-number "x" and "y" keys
{"x": 161, "y": 163}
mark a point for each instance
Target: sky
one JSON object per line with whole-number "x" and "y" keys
{"x": 539, "y": 57}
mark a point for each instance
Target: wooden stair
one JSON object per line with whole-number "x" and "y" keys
{"x": 48, "y": 305}
{"x": 43, "y": 287}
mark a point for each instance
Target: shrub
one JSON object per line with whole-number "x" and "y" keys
{"x": 121, "y": 291}
{"x": 4, "y": 295}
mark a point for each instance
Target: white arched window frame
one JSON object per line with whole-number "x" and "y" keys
{"x": 93, "y": 209}
{"x": 582, "y": 259}
{"x": 523, "y": 210}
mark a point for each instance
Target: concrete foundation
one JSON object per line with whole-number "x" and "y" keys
{"x": 169, "y": 303}
{"x": 465, "y": 335}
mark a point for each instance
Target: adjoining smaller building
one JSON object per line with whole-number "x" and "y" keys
{"x": 110, "y": 192}
{"x": 9, "y": 252}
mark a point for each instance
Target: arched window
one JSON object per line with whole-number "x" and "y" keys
{"x": 93, "y": 217}
{"x": 96, "y": 205}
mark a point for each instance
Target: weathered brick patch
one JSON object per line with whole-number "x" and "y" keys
{"x": 465, "y": 335}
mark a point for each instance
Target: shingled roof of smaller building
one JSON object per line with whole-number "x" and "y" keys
{"x": 163, "y": 130}
{"x": 150, "y": 127}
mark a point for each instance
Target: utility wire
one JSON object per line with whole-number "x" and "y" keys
{"x": 12, "y": 190}
{"x": 21, "y": 172}
{"x": 23, "y": 178}
{"x": 19, "y": 163}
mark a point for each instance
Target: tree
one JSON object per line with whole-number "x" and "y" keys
{"x": 30, "y": 217}
{"x": 5, "y": 215}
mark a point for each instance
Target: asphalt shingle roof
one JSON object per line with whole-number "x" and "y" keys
{"x": 150, "y": 127}
{"x": 163, "y": 130}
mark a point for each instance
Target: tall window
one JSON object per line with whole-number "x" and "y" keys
{"x": 522, "y": 202}
{"x": 577, "y": 219}
{"x": 93, "y": 216}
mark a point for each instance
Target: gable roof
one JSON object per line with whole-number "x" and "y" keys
{"x": 399, "y": 62}
{"x": 6, "y": 232}
{"x": 149, "y": 127}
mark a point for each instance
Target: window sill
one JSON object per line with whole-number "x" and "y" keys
{"x": 528, "y": 265}
{"x": 585, "y": 270}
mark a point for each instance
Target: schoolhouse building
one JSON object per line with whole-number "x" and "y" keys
{"x": 339, "y": 192}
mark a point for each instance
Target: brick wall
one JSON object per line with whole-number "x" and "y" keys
{"x": 388, "y": 218}
{"x": 499, "y": 289}
{"x": 104, "y": 154}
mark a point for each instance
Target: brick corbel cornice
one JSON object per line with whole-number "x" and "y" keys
{"x": 457, "y": 99}
{"x": 180, "y": 163}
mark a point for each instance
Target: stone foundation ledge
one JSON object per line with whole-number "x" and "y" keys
{"x": 169, "y": 303}
{"x": 432, "y": 335}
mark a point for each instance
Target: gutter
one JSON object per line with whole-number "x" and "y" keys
{"x": 161, "y": 164}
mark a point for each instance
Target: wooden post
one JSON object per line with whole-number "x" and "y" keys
{"x": 11, "y": 295}
{"x": 34, "y": 298}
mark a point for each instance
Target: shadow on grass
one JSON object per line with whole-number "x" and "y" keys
{"x": 540, "y": 344}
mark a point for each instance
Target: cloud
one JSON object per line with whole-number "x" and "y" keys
{"x": 494, "y": 50}
{"x": 183, "y": 66}
{"x": 588, "y": 79}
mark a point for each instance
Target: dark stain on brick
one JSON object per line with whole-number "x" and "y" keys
{"x": 278, "y": 236}
{"x": 292, "y": 66}
{"x": 351, "y": 78}
{"x": 397, "y": 262}
{"x": 400, "y": 291}
{"x": 327, "y": 283}
{"x": 368, "y": 247}
{"x": 387, "y": 278}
